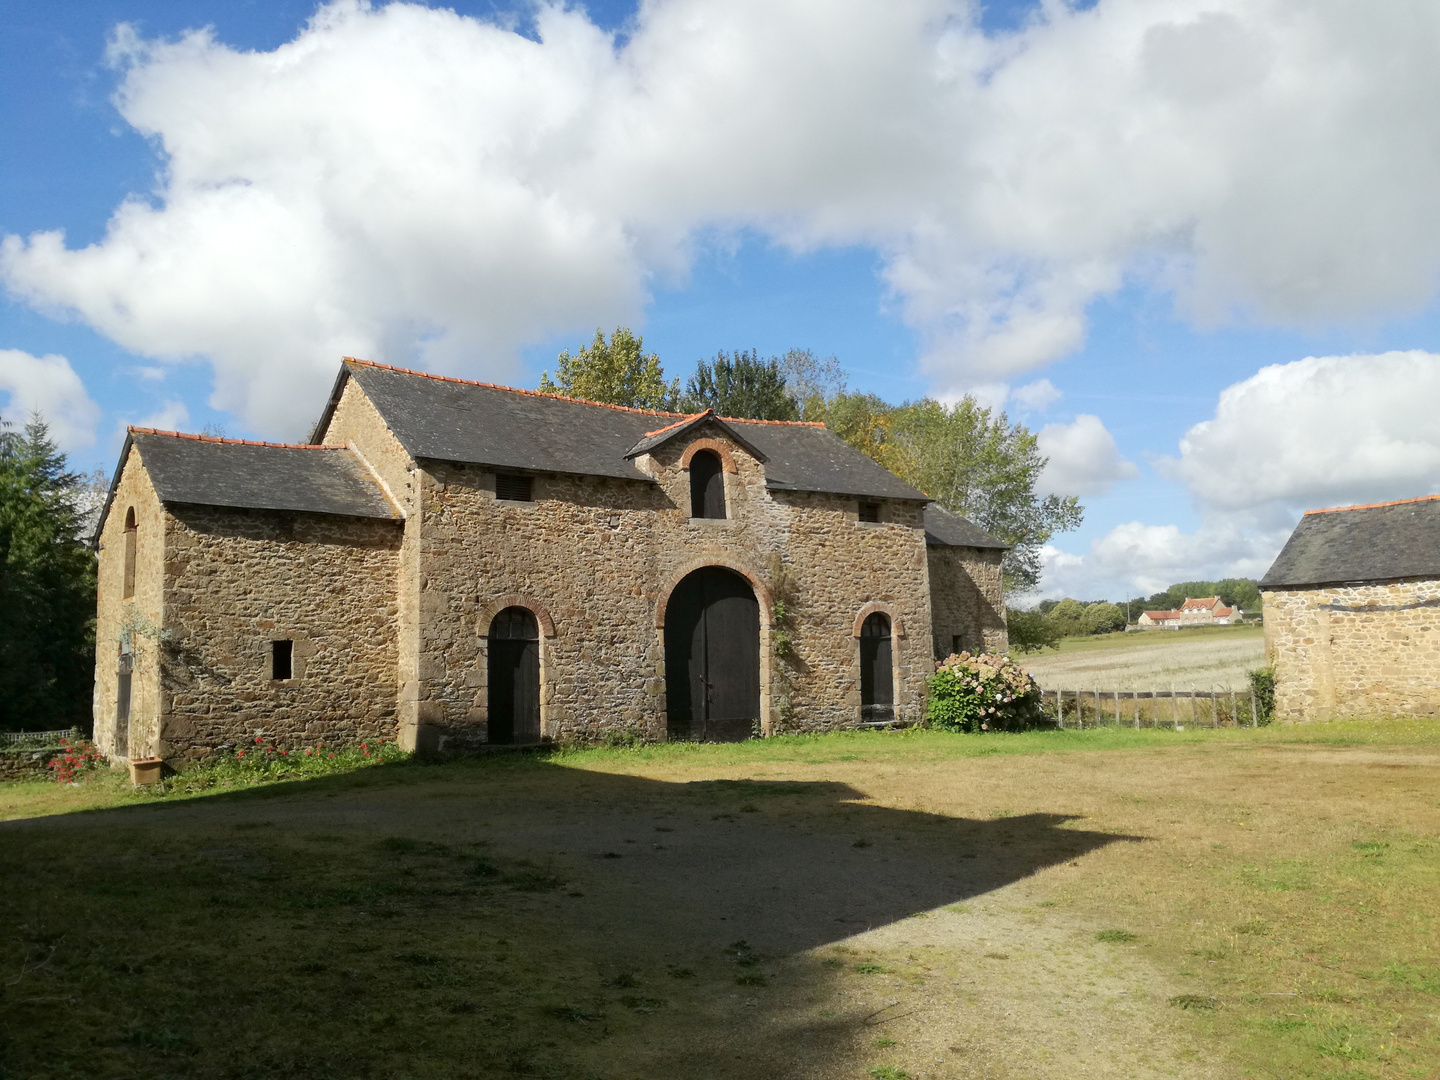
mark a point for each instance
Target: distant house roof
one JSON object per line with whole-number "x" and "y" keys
{"x": 945, "y": 528}
{"x": 1374, "y": 542}
{"x": 1200, "y": 603}
{"x": 1161, "y": 616}
{"x": 211, "y": 471}
{"x": 444, "y": 419}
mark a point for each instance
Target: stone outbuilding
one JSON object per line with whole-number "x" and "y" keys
{"x": 452, "y": 562}
{"x": 1352, "y": 612}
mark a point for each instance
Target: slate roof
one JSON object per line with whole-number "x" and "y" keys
{"x": 1377, "y": 542}
{"x": 443, "y": 419}
{"x": 945, "y": 528}
{"x": 211, "y": 471}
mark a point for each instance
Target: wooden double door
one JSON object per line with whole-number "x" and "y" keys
{"x": 712, "y": 657}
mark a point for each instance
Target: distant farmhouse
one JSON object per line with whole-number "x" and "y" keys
{"x": 1202, "y": 611}
{"x": 451, "y": 562}
{"x": 1352, "y": 612}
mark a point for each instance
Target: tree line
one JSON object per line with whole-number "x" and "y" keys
{"x": 968, "y": 458}
{"x": 1049, "y": 621}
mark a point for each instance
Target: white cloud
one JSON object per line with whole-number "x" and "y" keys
{"x": 1135, "y": 559}
{"x": 1318, "y": 432}
{"x": 170, "y": 416}
{"x": 1036, "y": 396}
{"x": 49, "y": 385}
{"x": 1084, "y": 459}
{"x": 413, "y": 185}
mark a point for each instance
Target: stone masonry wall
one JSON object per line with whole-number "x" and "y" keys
{"x": 596, "y": 557}
{"x": 139, "y": 618}
{"x": 967, "y": 600}
{"x": 240, "y": 579}
{"x": 1355, "y": 650}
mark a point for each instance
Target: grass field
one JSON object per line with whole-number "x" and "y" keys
{"x": 1054, "y": 904}
{"x": 1216, "y": 658}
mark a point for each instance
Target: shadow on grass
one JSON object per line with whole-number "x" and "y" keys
{"x": 473, "y": 919}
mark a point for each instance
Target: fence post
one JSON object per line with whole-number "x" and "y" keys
{"x": 1214, "y": 708}
{"x": 1174, "y": 708}
{"x": 1117, "y": 708}
{"x": 1234, "y": 708}
{"x": 1060, "y": 707}
{"x": 1254, "y": 713}
{"x": 1135, "y": 697}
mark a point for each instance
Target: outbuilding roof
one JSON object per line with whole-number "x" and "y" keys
{"x": 446, "y": 419}
{"x": 1375, "y": 542}
{"x": 211, "y": 471}
{"x": 945, "y": 528}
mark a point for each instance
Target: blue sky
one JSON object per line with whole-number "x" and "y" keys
{"x": 1099, "y": 218}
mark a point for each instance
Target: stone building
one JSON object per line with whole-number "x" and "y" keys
{"x": 1352, "y": 612}
{"x": 449, "y": 561}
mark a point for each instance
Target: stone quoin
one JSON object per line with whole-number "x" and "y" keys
{"x": 450, "y": 563}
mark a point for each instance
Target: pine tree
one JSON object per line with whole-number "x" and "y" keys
{"x": 47, "y": 586}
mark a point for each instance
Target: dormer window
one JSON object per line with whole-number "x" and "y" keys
{"x": 707, "y": 485}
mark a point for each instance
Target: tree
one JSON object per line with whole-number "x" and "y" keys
{"x": 47, "y": 586}
{"x": 1031, "y": 631}
{"x": 742, "y": 386}
{"x": 1104, "y": 618}
{"x": 812, "y": 381}
{"x": 616, "y": 372}
{"x": 973, "y": 461}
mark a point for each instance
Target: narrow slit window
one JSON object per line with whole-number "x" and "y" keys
{"x": 124, "y": 675}
{"x": 870, "y": 511}
{"x": 512, "y": 488}
{"x": 955, "y": 645}
{"x": 282, "y": 660}
{"x": 128, "y": 588}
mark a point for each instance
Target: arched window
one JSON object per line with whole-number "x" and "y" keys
{"x": 877, "y": 677}
{"x": 128, "y": 590}
{"x": 707, "y": 485}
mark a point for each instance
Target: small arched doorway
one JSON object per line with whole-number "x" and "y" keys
{"x": 877, "y": 672}
{"x": 513, "y": 668}
{"x": 712, "y": 657}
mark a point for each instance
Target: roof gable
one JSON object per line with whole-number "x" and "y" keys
{"x": 653, "y": 440}
{"x": 1377, "y": 542}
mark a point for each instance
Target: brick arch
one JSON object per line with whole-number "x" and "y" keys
{"x": 515, "y": 599}
{"x": 727, "y": 459}
{"x": 762, "y": 592}
{"x": 897, "y": 627}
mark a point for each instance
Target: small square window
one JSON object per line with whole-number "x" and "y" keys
{"x": 512, "y": 488}
{"x": 870, "y": 511}
{"x": 282, "y": 660}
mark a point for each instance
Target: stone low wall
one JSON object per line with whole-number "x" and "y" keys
{"x": 27, "y": 764}
{"x": 1355, "y": 650}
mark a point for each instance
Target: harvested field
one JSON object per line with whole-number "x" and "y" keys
{"x": 1048, "y": 905}
{"x": 1157, "y": 660}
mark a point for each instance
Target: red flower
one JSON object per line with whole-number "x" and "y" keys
{"x": 269, "y": 749}
{"x": 258, "y": 740}
{"x": 367, "y": 753}
{"x": 240, "y": 753}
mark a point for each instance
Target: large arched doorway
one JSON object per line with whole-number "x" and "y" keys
{"x": 514, "y": 677}
{"x": 712, "y": 657}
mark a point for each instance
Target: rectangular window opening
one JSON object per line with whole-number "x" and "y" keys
{"x": 955, "y": 644}
{"x": 870, "y": 511}
{"x": 124, "y": 674}
{"x": 282, "y": 657}
{"x": 512, "y": 488}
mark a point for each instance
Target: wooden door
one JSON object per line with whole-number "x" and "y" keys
{"x": 877, "y": 674}
{"x": 514, "y": 677}
{"x": 712, "y": 657}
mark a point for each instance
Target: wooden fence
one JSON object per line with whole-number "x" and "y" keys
{"x": 1151, "y": 708}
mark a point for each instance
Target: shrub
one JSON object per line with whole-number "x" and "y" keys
{"x": 1262, "y": 686}
{"x": 80, "y": 756}
{"x": 1031, "y": 631}
{"x": 983, "y": 692}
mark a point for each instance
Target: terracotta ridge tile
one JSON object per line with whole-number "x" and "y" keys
{"x": 1373, "y": 506}
{"x": 133, "y": 430}
{"x": 563, "y": 397}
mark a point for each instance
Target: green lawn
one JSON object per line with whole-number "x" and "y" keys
{"x": 1051, "y": 904}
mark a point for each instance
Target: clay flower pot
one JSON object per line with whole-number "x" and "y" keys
{"x": 145, "y": 771}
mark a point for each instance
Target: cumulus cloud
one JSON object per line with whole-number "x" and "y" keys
{"x": 1084, "y": 459}
{"x": 48, "y": 385}
{"x": 1036, "y": 396}
{"x": 418, "y": 186}
{"x": 1318, "y": 432}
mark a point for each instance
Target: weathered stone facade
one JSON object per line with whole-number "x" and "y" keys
{"x": 1362, "y": 650}
{"x": 389, "y": 616}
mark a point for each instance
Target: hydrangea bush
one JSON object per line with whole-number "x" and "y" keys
{"x": 982, "y": 692}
